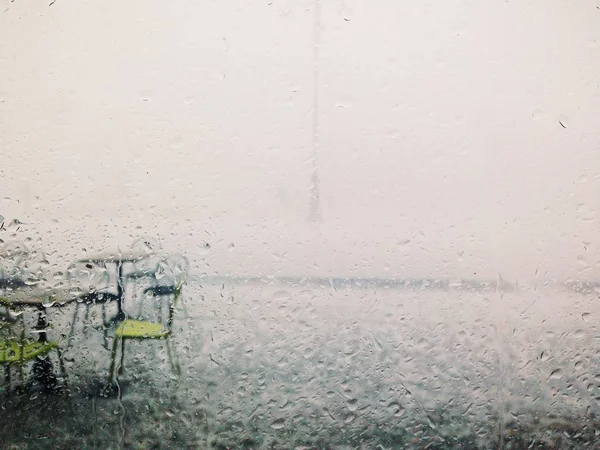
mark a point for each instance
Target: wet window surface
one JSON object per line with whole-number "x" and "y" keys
{"x": 304, "y": 224}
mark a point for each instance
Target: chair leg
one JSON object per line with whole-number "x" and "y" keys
{"x": 122, "y": 365}
{"x": 22, "y": 373}
{"x": 61, "y": 364}
{"x": 104, "y": 325}
{"x": 186, "y": 313}
{"x": 160, "y": 311}
{"x": 141, "y": 305}
{"x": 133, "y": 285}
{"x": 113, "y": 357}
{"x": 173, "y": 358}
{"x": 7, "y": 375}
{"x": 72, "y": 332}
{"x": 86, "y": 319}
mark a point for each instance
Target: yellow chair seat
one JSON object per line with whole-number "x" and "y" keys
{"x": 141, "y": 329}
{"x": 14, "y": 351}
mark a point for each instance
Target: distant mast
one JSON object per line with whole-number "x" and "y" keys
{"x": 314, "y": 214}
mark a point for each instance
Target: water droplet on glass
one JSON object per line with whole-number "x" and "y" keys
{"x": 564, "y": 121}
{"x": 396, "y": 409}
{"x": 352, "y": 404}
{"x": 278, "y": 424}
{"x": 343, "y": 101}
{"x": 204, "y": 248}
{"x": 281, "y": 296}
{"x": 556, "y": 374}
{"x": 47, "y": 303}
{"x": 177, "y": 143}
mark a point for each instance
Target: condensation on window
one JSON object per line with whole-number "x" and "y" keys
{"x": 312, "y": 224}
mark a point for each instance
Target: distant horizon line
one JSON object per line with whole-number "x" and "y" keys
{"x": 428, "y": 283}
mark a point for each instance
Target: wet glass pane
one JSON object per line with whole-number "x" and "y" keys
{"x": 313, "y": 224}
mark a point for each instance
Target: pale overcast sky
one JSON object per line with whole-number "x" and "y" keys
{"x": 455, "y": 138}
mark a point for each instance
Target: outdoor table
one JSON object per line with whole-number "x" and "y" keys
{"x": 119, "y": 259}
{"x": 40, "y": 299}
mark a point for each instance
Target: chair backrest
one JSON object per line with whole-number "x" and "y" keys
{"x": 171, "y": 275}
{"x": 84, "y": 278}
{"x": 152, "y": 248}
{"x": 172, "y": 269}
{"x": 163, "y": 296}
{"x": 146, "y": 244}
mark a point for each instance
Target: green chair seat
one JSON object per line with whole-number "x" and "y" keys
{"x": 14, "y": 351}
{"x": 140, "y": 329}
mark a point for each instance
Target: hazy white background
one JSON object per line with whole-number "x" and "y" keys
{"x": 439, "y": 146}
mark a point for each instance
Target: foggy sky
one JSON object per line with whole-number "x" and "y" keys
{"x": 455, "y": 138}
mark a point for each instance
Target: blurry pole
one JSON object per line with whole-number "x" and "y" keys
{"x": 314, "y": 214}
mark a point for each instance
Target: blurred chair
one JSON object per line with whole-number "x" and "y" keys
{"x": 17, "y": 350}
{"x": 150, "y": 330}
{"x": 146, "y": 268}
{"x": 90, "y": 282}
{"x": 170, "y": 272}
